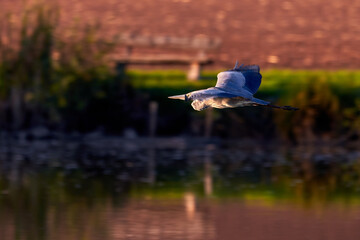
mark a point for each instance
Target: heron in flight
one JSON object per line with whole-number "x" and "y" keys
{"x": 234, "y": 88}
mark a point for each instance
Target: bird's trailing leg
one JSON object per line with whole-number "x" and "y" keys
{"x": 289, "y": 108}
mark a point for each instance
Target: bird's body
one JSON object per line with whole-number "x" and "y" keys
{"x": 234, "y": 88}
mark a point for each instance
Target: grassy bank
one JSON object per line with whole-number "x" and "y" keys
{"x": 279, "y": 85}
{"x": 329, "y": 103}
{"x": 273, "y": 80}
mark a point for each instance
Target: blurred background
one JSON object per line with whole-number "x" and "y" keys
{"x": 92, "y": 148}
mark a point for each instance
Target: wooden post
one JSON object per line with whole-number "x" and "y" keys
{"x": 120, "y": 70}
{"x": 16, "y": 107}
{"x": 153, "y": 109}
{"x": 208, "y": 122}
{"x": 194, "y": 71}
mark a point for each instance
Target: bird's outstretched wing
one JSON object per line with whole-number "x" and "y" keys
{"x": 230, "y": 81}
{"x": 247, "y": 77}
{"x": 252, "y": 76}
{"x": 252, "y": 81}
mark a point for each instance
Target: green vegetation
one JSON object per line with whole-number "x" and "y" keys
{"x": 62, "y": 79}
{"x": 273, "y": 82}
{"x": 48, "y": 77}
{"x": 329, "y": 103}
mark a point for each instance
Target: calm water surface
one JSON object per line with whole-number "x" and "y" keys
{"x": 177, "y": 189}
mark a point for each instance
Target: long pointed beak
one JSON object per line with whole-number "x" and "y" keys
{"x": 181, "y": 97}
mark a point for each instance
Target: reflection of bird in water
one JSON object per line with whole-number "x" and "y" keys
{"x": 234, "y": 88}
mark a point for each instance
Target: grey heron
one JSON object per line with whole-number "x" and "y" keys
{"x": 234, "y": 88}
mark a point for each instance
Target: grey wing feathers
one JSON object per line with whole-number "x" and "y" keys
{"x": 252, "y": 81}
{"x": 252, "y": 76}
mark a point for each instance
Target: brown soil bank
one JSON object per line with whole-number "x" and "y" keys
{"x": 275, "y": 34}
